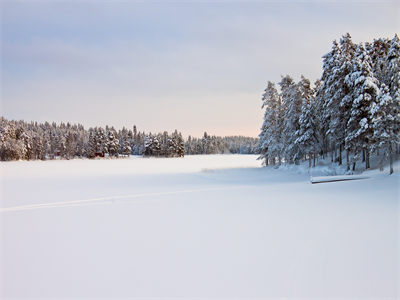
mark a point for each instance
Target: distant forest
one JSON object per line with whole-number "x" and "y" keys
{"x": 353, "y": 111}
{"x": 31, "y": 141}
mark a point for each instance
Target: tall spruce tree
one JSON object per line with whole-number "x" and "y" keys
{"x": 348, "y": 49}
{"x": 270, "y": 132}
{"x": 292, "y": 101}
{"x": 386, "y": 124}
{"x": 306, "y": 135}
{"x": 393, "y": 69}
{"x": 359, "y": 134}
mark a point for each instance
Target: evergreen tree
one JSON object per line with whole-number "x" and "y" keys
{"x": 348, "y": 49}
{"x": 306, "y": 135}
{"x": 393, "y": 69}
{"x": 101, "y": 141}
{"x": 70, "y": 146}
{"x": 180, "y": 146}
{"x": 327, "y": 89}
{"x": 386, "y": 124}
{"x": 92, "y": 144}
{"x": 12, "y": 146}
{"x": 378, "y": 53}
{"x": 112, "y": 144}
{"x": 365, "y": 89}
{"x": 152, "y": 146}
{"x": 291, "y": 102}
{"x": 271, "y": 128}
{"x": 126, "y": 149}
{"x": 318, "y": 106}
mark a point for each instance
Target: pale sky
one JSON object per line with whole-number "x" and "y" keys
{"x": 194, "y": 66}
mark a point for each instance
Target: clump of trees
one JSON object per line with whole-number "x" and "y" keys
{"x": 211, "y": 144}
{"x": 164, "y": 145}
{"x": 352, "y": 111}
{"x": 31, "y": 141}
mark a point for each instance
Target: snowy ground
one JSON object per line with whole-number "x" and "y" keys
{"x": 202, "y": 226}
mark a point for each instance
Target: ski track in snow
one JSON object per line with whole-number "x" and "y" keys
{"x": 109, "y": 199}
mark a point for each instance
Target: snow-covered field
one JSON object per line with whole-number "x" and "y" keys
{"x": 202, "y": 226}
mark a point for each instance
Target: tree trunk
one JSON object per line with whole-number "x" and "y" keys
{"x": 348, "y": 160}
{"x": 390, "y": 160}
{"x": 340, "y": 155}
{"x": 367, "y": 166}
{"x": 354, "y": 166}
{"x": 335, "y": 153}
{"x": 381, "y": 162}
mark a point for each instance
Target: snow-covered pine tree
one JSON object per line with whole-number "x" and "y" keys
{"x": 265, "y": 127}
{"x": 92, "y": 144}
{"x": 152, "y": 146}
{"x": 188, "y": 145}
{"x": 326, "y": 91}
{"x": 112, "y": 143}
{"x": 140, "y": 144}
{"x": 348, "y": 49}
{"x": 125, "y": 142}
{"x": 393, "y": 73}
{"x": 330, "y": 79}
{"x": 122, "y": 139}
{"x": 46, "y": 145}
{"x": 291, "y": 104}
{"x": 378, "y": 53}
{"x": 70, "y": 146}
{"x": 129, "y": 140}
{"x": 334, "y": 95}
{"x": 271, "y": 128}
{"x": 156, "y": 145}
{"x": 176, "y": 146}
{"x": 126, "y": 149}
{"x": 101, "y": 142}
{"x": 11, "y": 145}
{"x": 139, "y": 140}
{"x": 181, "y": 146}
{"x": 166, "y": 147}
{"x": 80, "y": 136}
{"x": 205, "y": 143}
{"x": 393, "y": 69}
{"x": 306, "y": 140}
{"x": 318, "y": 106}
{"x": 148, "y": 145}
{"x": 386, "y": 124}
{"x": 37, "y": 145}
{"x": 359, "y": 131}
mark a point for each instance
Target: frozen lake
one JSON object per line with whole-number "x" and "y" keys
{"x": 202, "y": 226}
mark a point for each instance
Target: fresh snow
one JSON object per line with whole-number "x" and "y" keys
{"x": 200, "y": 226}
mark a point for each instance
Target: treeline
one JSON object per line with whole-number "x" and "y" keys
{"x": 352, "y": 111}
{"x": 221, "y": 145}
{"x": 31, "y": 141}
